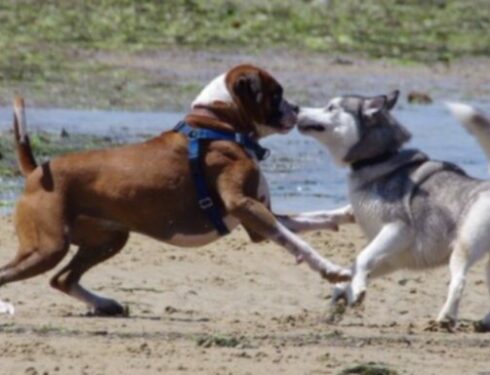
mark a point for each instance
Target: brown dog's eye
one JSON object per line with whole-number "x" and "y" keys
{"x": 276, "y": 99}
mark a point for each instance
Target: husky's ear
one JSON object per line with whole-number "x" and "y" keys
{"x": 391, "y": 99}
{"x": 374, "y": 105}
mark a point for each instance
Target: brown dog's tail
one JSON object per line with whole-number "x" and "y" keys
{"x": 25, "y": 157}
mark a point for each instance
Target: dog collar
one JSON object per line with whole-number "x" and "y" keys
{"x": 195, "y": 136}
{"x": 372, "y": 161}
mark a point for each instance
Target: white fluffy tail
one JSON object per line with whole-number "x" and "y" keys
{"x": 468, "y": 116}
{"x": 475, "y": 122}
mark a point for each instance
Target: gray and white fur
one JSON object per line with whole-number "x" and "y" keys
{"x": 417, "y": 213}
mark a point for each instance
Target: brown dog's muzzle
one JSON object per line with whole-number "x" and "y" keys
{"x": 288, "y": 116}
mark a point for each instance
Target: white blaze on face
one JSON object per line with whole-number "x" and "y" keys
{"x": 332, "y": 126}
{"x": 216, "y": 90}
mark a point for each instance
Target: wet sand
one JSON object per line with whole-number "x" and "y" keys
{"x": 236, "y": 308}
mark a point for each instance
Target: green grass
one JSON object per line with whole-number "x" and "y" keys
{"x": 38, "y": 33}
{"x": 53, "y": 44}
{"x": 45, "y": 146}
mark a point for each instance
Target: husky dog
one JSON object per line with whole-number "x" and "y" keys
{"x": 416, "y": 212}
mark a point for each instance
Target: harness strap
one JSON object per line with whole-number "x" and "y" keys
{"x": 195, "y": 136}
{"x": 248, "y": 143}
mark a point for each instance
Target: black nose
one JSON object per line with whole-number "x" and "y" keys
{"x": 295, "y": 108}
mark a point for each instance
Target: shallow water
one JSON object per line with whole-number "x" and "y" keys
{"x": 300, "y": 173}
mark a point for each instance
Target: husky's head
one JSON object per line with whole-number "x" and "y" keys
{"x": 355, "y": 128}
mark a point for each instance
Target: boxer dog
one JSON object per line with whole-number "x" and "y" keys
{"x": 416, "y": 212}
{"x": 95, "y": 199}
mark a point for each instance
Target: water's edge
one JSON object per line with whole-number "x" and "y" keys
{"x": 299, "y": 172}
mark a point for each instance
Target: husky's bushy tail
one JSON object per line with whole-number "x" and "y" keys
{"x": 475, "y": 122}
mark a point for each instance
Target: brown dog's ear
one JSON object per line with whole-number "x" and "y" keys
{"x": 249, "y": 86}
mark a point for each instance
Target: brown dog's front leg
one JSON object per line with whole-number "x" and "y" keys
{"x": 255, "y": 216}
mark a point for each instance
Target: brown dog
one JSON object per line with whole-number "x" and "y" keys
{"x": 94, "y": 199}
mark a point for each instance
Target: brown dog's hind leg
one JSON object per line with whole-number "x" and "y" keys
{"x": 96, "y": 244}
{"x": 43, "y": 244}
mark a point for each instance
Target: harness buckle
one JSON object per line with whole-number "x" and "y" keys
{"x": 240, "y": 138}
{"x": 205, "y": 203}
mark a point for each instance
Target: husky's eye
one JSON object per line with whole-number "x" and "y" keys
{"x": 330, "y": 108}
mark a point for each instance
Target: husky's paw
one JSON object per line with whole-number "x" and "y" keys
{"x": 339, "y": 293}
{"x": 344, "y": 299}
{"x": 481, "y": 326}
{"x": 357, "y": 298}
{"x": 336, "y": 311}
{"x": 6, "y": 308}
{"x": 338, "y": 303}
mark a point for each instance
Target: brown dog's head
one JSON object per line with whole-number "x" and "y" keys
{"x": 251, "y": 100}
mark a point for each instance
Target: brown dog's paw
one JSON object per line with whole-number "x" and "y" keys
{"x": 112, "y": 309}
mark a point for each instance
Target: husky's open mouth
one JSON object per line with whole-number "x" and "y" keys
{"x": 311, "y": 127}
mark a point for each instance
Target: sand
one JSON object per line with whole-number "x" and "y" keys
{"x": 234, "y": 307}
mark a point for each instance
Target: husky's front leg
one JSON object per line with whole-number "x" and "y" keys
{"x": 317, "y": 220}
{"x": 374, "y": 260}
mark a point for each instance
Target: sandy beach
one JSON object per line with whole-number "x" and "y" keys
{"x": 236, "y": 308}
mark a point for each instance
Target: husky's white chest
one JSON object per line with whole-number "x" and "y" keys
{"x": 369, "y": 211}
{"x": 368, "y": 220}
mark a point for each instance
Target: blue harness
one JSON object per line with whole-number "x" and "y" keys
{"x": 196, "y": 136}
